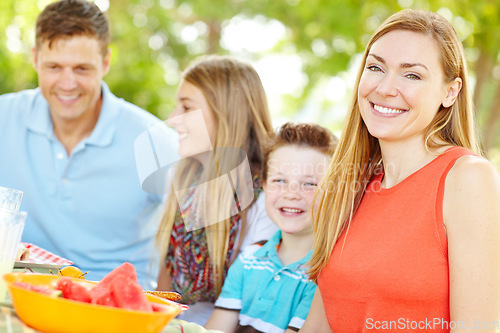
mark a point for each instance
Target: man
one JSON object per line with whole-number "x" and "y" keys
{"x": 69, "y": 145}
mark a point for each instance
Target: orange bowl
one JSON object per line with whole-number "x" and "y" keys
{"x": 51, "y": 314}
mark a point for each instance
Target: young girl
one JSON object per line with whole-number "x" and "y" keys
{"x": 416, "y": 249}
{"x": 267, "y": 289}
{"x": 223, "y": 121}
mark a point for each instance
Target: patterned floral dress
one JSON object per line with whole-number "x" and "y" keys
{"x": 188, "y": 260}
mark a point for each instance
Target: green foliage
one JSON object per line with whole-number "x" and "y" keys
{"x": 16, "y": 72}
{"x": 154, "y": 40}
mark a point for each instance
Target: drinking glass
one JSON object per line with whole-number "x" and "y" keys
{"x": 11, "y": 229}
{"x": 10, "y": 198}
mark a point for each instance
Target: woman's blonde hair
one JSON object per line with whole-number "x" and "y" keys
{"x": 358, "y": 155}
{"x": 236, "y": 97}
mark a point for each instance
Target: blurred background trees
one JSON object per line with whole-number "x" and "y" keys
{"x": 306, "y": 51}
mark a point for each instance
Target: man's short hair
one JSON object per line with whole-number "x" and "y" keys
{"x": 68, "y": 18}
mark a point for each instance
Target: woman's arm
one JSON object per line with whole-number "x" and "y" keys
{"x": 316, "y": 319}
{"x": 471, "y": 210}
{"x": 223, "y": 320}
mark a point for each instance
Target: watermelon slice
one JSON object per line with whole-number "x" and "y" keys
{"x": 102, "y": 296}
{"x": 39, "y": 289}
{"x": 128, "y": 294}
{"x": 74, "y": 291}
{"x": 120, "y": 289}
{"x": 117, "y": 289}
{"x": 156, "y": 307}
{"x": 102, "y": 293}
{"x": 124, "y": 271}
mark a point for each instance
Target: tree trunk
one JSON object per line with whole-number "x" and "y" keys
{"x": 484, "y": 66}
{"x": 214, "y": 31}
{"x": 491, "y": 128}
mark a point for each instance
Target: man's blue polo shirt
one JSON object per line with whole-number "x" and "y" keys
{"x": 270, "y": 297}
{"x": 88, "y": 207}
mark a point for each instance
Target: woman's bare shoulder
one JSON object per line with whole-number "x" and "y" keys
{"x": 472, "y": 171}
{"x": 472, "y": 188}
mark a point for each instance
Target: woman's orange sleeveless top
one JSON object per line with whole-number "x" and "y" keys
{"x": 389, "y": 270}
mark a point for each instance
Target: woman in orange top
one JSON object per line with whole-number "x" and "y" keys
{"x": 407, "y": 231}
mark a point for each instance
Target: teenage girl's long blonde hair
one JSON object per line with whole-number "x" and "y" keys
{"x": 236, "y": 97}
{"x": 358, "y": 156}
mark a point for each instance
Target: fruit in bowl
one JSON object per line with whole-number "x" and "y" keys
{"x": 52, "y": 304}
{"x": 71, "y": 271}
